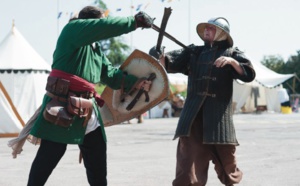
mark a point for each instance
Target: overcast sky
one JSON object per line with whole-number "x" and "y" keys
{"x": 258, "y": 27}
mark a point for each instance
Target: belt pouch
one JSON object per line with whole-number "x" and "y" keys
{"x": 56, "y": 113}
{"x": 79, "y": 106}
{"x": 57, "y": 86}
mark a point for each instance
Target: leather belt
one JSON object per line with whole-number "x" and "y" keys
{"x": 58, "y": 98}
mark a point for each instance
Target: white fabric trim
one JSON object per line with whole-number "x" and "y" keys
{"x": 93, "y": 123}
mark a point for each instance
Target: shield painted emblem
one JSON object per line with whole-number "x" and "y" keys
{"x": 141, "y": 65}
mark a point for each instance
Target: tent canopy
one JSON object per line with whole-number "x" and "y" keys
{"x": 269, "y": 78}
{"x": 23, "y": 73}
{"x": 17, "y": 54}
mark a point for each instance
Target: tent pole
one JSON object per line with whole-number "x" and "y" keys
{"x": 11, "y": 104}
{"x": 294, "y": 85}
{"x": 291, "y": 87}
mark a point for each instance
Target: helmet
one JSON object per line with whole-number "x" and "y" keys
{"x": 219, "y": 22}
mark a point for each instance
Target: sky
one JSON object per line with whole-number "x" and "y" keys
{"x": 258, "y": 27}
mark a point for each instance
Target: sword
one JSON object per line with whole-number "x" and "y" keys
{"x": 163, "y": 25}
{"x": 156, "y": 28}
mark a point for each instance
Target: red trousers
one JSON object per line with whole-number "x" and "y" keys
{"x": 193, "y": 159}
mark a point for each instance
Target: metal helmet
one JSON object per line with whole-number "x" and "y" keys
{"x": 219, "y": 22}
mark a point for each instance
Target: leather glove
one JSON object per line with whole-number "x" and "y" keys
{"x": 156, "y": 54}
{"x": 143, "y": 20}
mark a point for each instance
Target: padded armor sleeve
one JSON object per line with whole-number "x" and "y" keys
{"x": 177, "y": 61}
{"x": 249, "y": 73}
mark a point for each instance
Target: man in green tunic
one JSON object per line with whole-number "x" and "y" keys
{"x": 79, "y": 59}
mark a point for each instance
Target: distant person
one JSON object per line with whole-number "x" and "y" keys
{"x": 205, "y": 128}
{"x": 140, "y": 119}
{"x": 295, "y": 106}
{"x": 177, "y": 105}
{"x": 78, "y": 64}
{"x": 284, "y": 97}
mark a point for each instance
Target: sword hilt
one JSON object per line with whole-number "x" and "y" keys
{"x": 151, "y": 77}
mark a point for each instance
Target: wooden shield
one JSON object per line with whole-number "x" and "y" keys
{"x": 141, "y": 65}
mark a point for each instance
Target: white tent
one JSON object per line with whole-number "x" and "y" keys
{"x": 23, "y": 73}
{"x": 263, "y": 91}
{"x": 267, "y": 77}
{"x": 10, "y": 123}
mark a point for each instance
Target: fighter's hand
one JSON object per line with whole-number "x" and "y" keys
{"x": 143, "y": 20}
{"x": 159, "y": 55}
{"x": 145, "y": 84}
{"x": 222, "y": 61}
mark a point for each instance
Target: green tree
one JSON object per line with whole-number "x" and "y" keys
{"x": 291, "y": 66}
{"x": 273, "y": 62}
{"x": 116, "y": 50}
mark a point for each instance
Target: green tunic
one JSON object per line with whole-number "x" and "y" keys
{"x": 78, "y": 52}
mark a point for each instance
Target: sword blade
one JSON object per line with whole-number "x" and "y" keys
{"x": 156, "y": 28}
{"x": 167, "y": 13}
